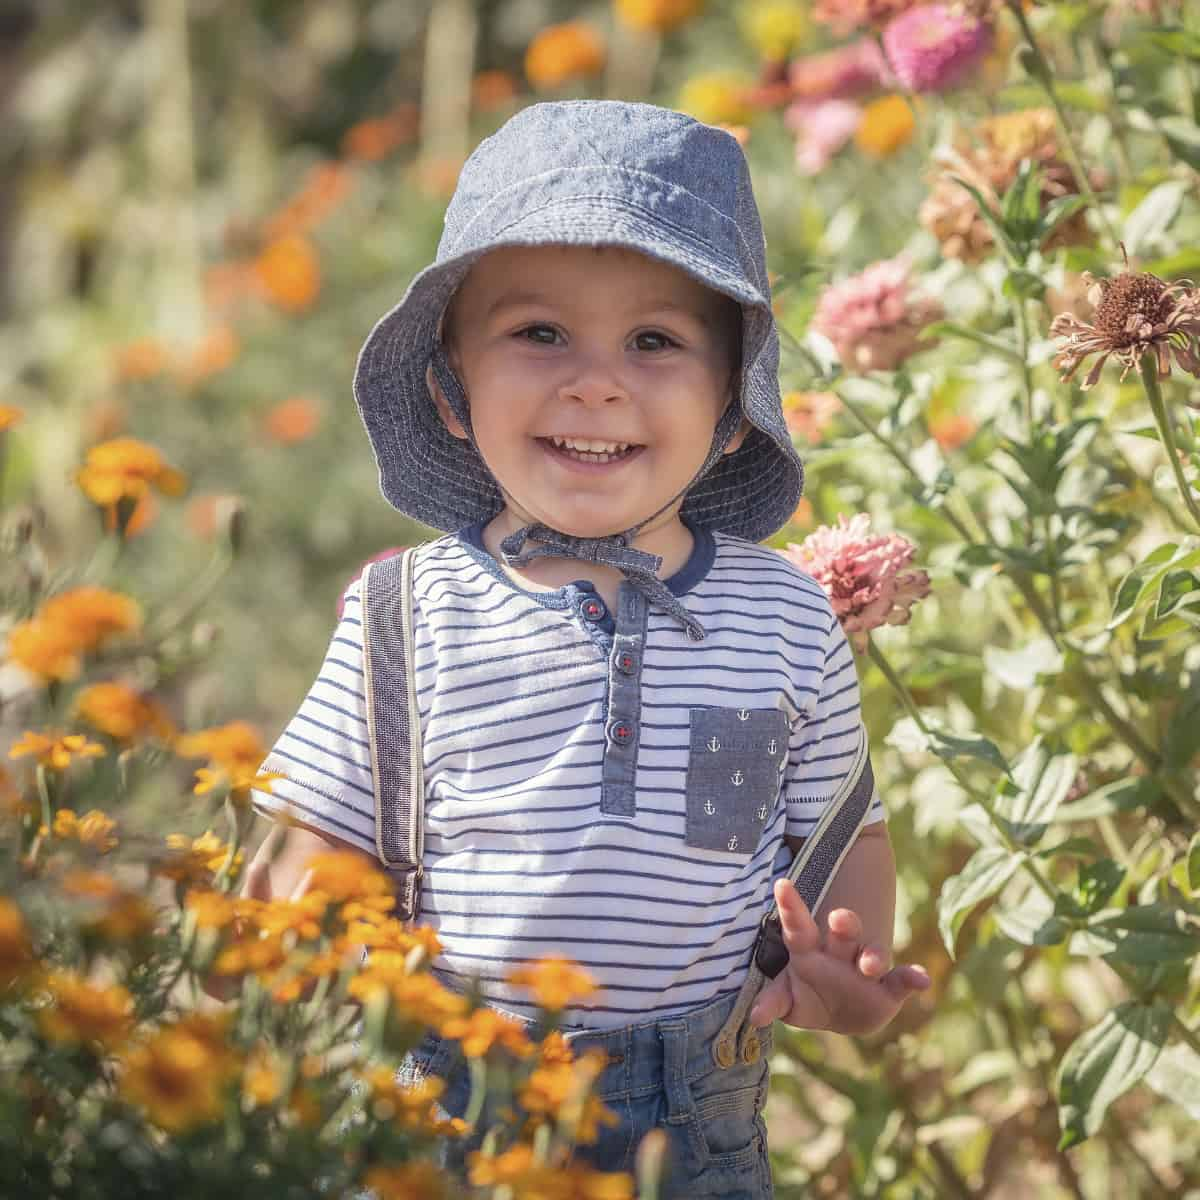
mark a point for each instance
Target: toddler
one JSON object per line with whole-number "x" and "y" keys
{"x": 632, "y": 717}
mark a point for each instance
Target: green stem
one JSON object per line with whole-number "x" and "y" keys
{"x": 1149, "y": 372}
{"x": 1044, "y": 74}
{"x": 1020, "y": 320}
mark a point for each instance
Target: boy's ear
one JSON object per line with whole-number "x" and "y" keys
{"x": 452, "y": 423}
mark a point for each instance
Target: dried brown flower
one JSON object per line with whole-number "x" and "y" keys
{"x": 990, "y": 163}
{"x": 1135, "y": 314}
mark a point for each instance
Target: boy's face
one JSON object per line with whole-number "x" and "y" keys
{"x": 628, "y": 359}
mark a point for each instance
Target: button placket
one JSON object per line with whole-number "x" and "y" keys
{"x": 617, "y": 796}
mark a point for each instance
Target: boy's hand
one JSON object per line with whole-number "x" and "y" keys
{"x": 832, "y": 981}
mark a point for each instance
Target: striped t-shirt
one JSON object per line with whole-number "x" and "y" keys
{"x": 521, "y": 859}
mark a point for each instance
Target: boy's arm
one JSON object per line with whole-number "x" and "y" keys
{"x": 839, "y": 975}
{"x": 278, "y": 871}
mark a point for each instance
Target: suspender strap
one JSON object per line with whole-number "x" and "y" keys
{"x": 394, "y": 725}
{"x": 812, "y": 871}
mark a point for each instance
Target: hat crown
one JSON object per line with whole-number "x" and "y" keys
{"x": 568, "y": 138}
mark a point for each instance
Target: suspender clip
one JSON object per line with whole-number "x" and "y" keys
{"x": 770, "y": 952}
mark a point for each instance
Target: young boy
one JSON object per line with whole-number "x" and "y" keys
{"x": 632, "y": 716}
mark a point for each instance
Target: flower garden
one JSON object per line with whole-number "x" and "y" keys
{"x": 983, "y": 219}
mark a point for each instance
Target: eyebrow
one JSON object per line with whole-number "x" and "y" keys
{"x": 515, "y": 299}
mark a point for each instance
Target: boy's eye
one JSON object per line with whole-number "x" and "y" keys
{"x": 652, "y": 339}
{"x": 543, "y": 335}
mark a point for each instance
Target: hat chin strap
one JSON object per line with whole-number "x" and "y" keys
{"x": 639, "y": 567}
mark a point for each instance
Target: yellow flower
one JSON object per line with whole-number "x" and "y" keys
{"x": 555, "y": 982}
{"x": 195, "y": 860}
{"x": 126, "y": 469}
{"x": 561, "y": 53}
{"x": 121, "y": 712}
{"x": 773, "y": 27}
{"x": 886, "y": 126}
{"x": 44, "y": 650}
{"x": 409, "y": 1181}
{"x": 211, "y": 910}
{"x": 16, "y": 952}
{"x": 412, "y": 1106}
{"x": 289, "y": 272}
{"x": 234, "y": 752}
{"x": 10, "y": 416}
{"x": 657, "y": 16}
{"x": 262, "y": 1079}
{"x": 179, "y": 1074}
{"x": 486, "y": 1028}
{"x": 560, "y": 1090}
{"x": 69, "y": 625}
{"x": 82, "y": 1013}
{"x": 718, "y": 98}
{"x": 93, "y": 829}
{"x": 302, "y": 917}
{"x": 345, "y": 875}
{"x": 55, "y": 750}
{"x": 419, "y": 999}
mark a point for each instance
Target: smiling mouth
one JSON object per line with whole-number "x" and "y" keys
{"x": 590, "y": 450}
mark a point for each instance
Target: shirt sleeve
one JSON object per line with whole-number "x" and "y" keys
{"x": 825, "y": 742}
{"x": 324, "y": 753}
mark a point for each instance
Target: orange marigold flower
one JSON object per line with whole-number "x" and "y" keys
{"x": 302, "y": 916}
{"x": 253, "y": 954}
{"x": 94, "y": 829}
{"x": 10, "y": 416}
{"x": 82, "y": 1013}
{"x": 292, "y": 421}
{"x": 122, "y": 712}
{"x": 491, "y": 90}
{"x": 106, "y": 909}
{"x": 179, "y": 1075}
{"x": 324, "y": 188}
{"x": 886, "y": 125}
{"x": 55, "y": 750}
{"x": 420, "y": 998}
{"x": 45, "y": 650}
{"x": 289, "y": 272}
{"x": 90, "y": 615}
{"x": 412, "y": 1106}
{"x": 16, "y": 950}
{"x": 808, "y": 414}
{"x": 376, "y": 137}
{"x": 554, "y": 982}
{"x": 485, "y": 1028}
{"x": 125, "y": 468}
{"x": 409, "y": 1181}
{"x": 657, "y": 16}
{"x": 196, "y": 860}
{"x": 346, "y": 875}
{"x": 562, "y": 53}
{"x": 211, "y": 910}
{"x": 234, "y": 752}
{"x": 216, "y": 351}
{"x": 262, "y": 1079}
{"x": 561, "y": 1091}
{"x": 952, "y": 430}
{"x": 140, "y": 359}
{"x": 227, "y": 282}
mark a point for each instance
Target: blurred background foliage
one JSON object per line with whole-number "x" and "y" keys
{"x": 204, "y": 206}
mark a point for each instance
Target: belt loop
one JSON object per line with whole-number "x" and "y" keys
{"x": 679, "y": 1098}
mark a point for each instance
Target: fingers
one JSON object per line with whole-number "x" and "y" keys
{"x": 844, "y": 941}
{"x": 774, "y": 1001}
{"x": 800, "y": 932}
{"x": 904, "y": 980}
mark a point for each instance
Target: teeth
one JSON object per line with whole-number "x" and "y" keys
{"x": 588, "y": 446}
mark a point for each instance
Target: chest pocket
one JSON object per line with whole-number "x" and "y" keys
{"x": 735, "y": 766}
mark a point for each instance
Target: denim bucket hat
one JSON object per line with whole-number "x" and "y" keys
{"x": 594, "y": 173}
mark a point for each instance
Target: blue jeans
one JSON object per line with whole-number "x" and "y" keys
{"x": 660, "y": 1074}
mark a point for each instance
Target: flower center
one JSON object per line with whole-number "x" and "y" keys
{"x": 1129, "y": 301}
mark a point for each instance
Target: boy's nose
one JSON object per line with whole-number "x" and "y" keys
{"x": 594, "y": 384}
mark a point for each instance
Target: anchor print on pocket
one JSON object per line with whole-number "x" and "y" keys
{"x": 735, "y": 770}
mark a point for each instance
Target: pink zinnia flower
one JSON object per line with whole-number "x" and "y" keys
{"x": 872, "y": 321}
{"x": 932, "y": 47}
{"x": 821, "y": 129}
{"x": 843, "y": 16}
{"x": 838, "y": 74}
{"x": 863, "y": 574}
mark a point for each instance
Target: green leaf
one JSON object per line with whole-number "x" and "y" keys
{"x": 1146, "y": 934}
{"x": 1033, "y": 921}
{"x": 1153, "y": 216}
{"x": 1027, "y": 801}
{"x": 1021, "y": 668}
{"x": 993, "y": 219}
{"x": 1183, "y": 137}
{"x": 1122, "y": 795}
{"x": 1023, "y": 285}
{"x": 1182, "y": 741}
{"x": 1058, "y": 211}
{"x": 1142, "y": 581}
{"x": 986, "y": 872}
{"x": 1193, "y": 864}
{"x": 950, "y": 746}
{"x": 1104, "y": 1063}
{"x": 1176, "y": 1076}
{"x": 1175, "y": 41}
{"x": 1174, "y": 266}
{"x": 1095, "y": 884}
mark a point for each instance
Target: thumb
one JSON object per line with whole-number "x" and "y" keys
{"x": 774, "y": 1001}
